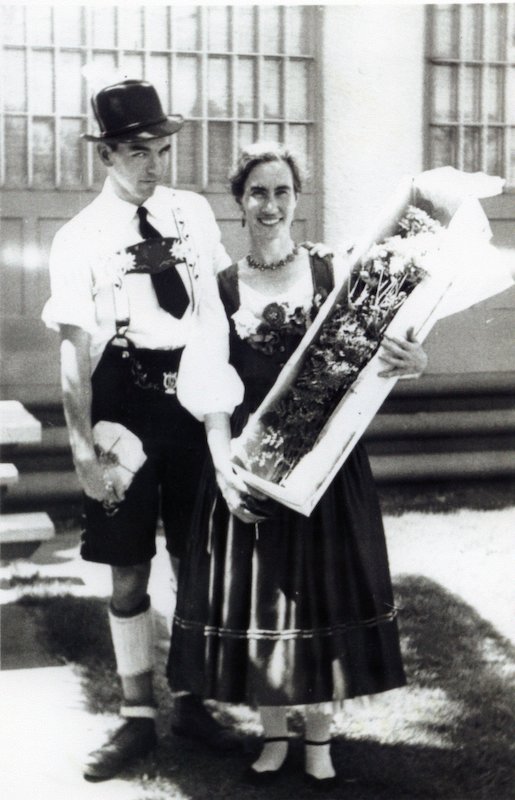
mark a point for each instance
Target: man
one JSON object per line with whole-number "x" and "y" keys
{"x": 124, "y": 315}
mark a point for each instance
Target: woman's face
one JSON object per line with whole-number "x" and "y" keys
{"x": 269, "y": 201}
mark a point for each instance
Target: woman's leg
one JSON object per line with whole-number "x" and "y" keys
{"x": 275, "y": 726}
{"x": 318, "y": 760}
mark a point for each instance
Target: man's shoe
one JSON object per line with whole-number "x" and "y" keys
{"x": 192, "y": 720}
{"x": 131, "y": 741}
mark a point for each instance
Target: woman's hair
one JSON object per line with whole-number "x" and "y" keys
{"x": 262, "y": 153}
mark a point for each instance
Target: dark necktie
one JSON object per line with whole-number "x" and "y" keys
{"x": 168, "y": 286}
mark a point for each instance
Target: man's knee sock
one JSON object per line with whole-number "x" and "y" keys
{"x": 133, "y": 640}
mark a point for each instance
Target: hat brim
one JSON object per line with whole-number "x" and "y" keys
{"x": 140, "y": 133}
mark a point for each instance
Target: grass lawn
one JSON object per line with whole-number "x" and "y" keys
{"x": 448, "y": 734}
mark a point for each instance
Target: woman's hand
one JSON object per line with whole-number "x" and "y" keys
{"x": 405, "y": 358}
{"x": 234, "y": 491}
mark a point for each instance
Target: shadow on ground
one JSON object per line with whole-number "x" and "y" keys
{"x": 452, "y": 654}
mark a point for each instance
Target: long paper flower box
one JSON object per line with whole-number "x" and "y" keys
{"x": 449, "y": 197}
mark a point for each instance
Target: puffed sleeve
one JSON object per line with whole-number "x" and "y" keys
{"x": 207, "y": 383}
{"x": 71, "y": 301}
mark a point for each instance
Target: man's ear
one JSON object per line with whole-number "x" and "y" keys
{"x": 106, "y": 154}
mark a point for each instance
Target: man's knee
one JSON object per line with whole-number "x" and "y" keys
{"x": 129, "y": 586}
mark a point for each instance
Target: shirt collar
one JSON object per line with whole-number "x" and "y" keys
{"x": 125, "y": 211}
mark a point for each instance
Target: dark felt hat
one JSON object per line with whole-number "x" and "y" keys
{"x": 131, "y": 110}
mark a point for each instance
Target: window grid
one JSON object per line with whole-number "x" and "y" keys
{"x": 52, "y": 167}
{"x": 455, "y": 127}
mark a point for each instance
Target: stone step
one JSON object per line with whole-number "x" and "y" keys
{"x": 21, "y": 534}
{"x": 8, "y": 475}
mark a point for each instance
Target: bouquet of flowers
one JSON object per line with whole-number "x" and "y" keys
{"x": 329, "y": 390}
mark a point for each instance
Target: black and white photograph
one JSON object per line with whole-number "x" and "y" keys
{"x": 257, "y": 418}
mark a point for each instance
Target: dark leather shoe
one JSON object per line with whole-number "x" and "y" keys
{"x": 131, "y": 741}
{"x": 192, "y": 720}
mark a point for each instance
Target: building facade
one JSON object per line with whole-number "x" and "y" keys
{"x": 365, "y": 94}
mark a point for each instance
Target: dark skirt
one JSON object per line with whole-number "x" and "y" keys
{"x": 295, "y": 610}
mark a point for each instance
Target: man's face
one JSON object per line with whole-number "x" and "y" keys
{"x": 136, "y": 168}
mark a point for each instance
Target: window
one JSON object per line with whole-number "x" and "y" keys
{"x": 225, "y": 68}
{"x": 471, "y": 73}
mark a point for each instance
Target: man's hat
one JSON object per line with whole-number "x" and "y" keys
{"x": 131, "y": 110}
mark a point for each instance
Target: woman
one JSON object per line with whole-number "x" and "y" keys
{"x": 276, "y": 609}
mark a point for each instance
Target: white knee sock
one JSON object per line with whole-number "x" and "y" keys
{"x": 133, "y": 642}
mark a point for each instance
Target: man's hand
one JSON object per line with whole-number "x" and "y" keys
{"x": 318, "y": 249}
{"x": 99, "y": 483}
{"x": 405, "y": 358}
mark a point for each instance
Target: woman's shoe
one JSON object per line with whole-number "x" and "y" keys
{"x": 256, "y": 777}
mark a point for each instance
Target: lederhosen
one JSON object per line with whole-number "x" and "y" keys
{"x": 136, "y": 387}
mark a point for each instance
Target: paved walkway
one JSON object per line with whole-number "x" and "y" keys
{"x": 45, "y": 729}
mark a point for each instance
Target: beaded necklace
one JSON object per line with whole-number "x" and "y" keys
{"x": 263, "y": 266}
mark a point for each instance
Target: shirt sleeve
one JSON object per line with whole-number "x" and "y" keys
{"x": 71, "y": 301}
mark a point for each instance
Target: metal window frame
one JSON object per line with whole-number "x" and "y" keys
{"x": 484, "y": 63}
{"x": 172, "y": 52}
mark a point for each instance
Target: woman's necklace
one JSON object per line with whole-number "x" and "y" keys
{"x": 263, "y": 266}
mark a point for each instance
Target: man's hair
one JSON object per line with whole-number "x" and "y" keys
{"x": 263, "y": 153}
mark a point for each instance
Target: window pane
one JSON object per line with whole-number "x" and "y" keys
{"x": 445, "y": 31}
{"x": 510, "y": 111}
{"x": 69, "y": 83}
{"x": 188, "y": 153}
{"x": 471, "y": 94}
{"x": 219, "y": 152}
{"x": 272, "y": 83}
{"x": 495, "y": 94}
{"x": 13, "y": 24}
{"x": 298, "y": 90}
{"x": 131, "y": 28}
{"x": 444, "y": 93}
{"x": 43, "y": 143}
{"x": 471, "y": 31}
{"x": 157, "y": 27}
{"x": 16, "y": 147}
{"x": 72, "y": 152}
{"x": 218, "y": 87}
{"x": 298, "y": 31}
{"x": 298, "y": 140}
{"x": 245, "y": 87}
{"x": 132, "y": 66}
{"x": 247, "y": 133}
{"x": 14, "y": 88}
{"x": 218, "y": 28}
{"x": 186, "y": 86}
{"x": 158, "y": 73}
{"x": 495, "y": 139}
{"x": 40, "y": 25}
{"x": 185, "y": 28}
{"x": 443, "y": 146}
{"x": 495, "y": 47}
{"x": 471, "y": 141}
{"x": 246, "y": 29}
{"x": 40, "y": 79}
{"x": 271, "y": 27}
{"x": 273, "y": 132}
{"x": 103, "y": 25}
{"x": 69, "y": 26}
